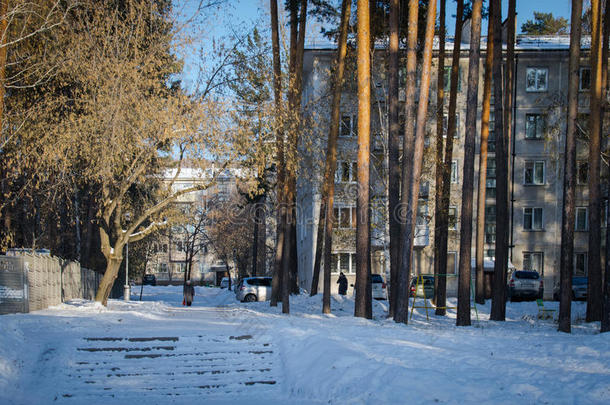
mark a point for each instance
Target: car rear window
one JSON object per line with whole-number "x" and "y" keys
{"x": 579, "y": 281}
{"x": 377, "y": 278}
{"x": 530, "y": 275}
{"x": 264, "y": 282}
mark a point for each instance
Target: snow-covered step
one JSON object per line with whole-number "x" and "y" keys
{"x": 162, "y": 366}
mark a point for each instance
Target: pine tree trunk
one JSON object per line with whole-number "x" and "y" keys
{"x": 402, "y": 290}
{"x": 255, "y": 246}
{"x": 363, "y": 257}
{"x": 498, "y": 304}
{"x": 509, "y": 87}
{"x": 480, "y": 248}
{"x": 463, "y": 309}
{"x": 286, "y": 264}
{"x": 443, "y": 220}
{"x": 277, "y": 91}
{"x": 331, "y": 152}
{"x": 261, "y": 266}
{"x": 412, "y": 177}
{"x": 277, "y": 282}
{"x": 440, "y": 142}
{"x": 594, "y": 291}
{"x": 3, "y": 27}
{"x": 296, "y": 84}
{"x": 294, "y": 268}
{"x": 393, "y": 154}
{"x": 605, "y": 322}
{"x": 509, "y": 78}
{"x": 315, "y": 279}
{"x": 569, "y": 175}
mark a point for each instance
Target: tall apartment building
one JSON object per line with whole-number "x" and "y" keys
{"x": 168, "y": 259}
{"x": 536, "y": 181}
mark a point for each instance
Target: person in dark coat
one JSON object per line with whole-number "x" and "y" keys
{"x": 342, "y": 281}
{"x": 189, "y": 293}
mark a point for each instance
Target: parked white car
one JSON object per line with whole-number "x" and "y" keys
{"x": 525, "y": 284}
{"x": 252, "y": 289}
{"x": 224, "y": 283}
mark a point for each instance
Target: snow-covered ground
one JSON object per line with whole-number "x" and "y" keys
{"x": 222, "y": 351}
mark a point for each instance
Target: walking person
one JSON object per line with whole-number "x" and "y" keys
{"x": 342, "y": 281}
{"x": 189, "y": 293}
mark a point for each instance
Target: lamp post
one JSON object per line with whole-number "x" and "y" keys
{"x": 127, "y": 287}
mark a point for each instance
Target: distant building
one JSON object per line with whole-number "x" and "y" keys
{"x": 168, "y": 262}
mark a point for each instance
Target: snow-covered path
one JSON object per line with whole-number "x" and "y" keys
{"x": 222, "y": 351}
{"x": 148, "y": 352}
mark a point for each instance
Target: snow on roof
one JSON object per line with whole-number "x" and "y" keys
{"x": 190, "y": 173}
{"x": 523, "y": 43}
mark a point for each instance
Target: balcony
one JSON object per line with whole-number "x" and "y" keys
{"x": 422, "y": 236}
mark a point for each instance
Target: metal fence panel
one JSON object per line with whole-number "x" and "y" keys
{"x": 13, "y": 289}
{"x": 30, "y": 282}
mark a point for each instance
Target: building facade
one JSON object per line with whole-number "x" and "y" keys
{"x": 536, "y": 158}
{"x": 168, "y": 258}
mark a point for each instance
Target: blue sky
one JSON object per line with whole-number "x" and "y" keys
{"x": 243, "y": 15}
{"x": 249, "y": 10}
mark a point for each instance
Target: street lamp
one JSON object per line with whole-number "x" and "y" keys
{"x": 127, "y": 287}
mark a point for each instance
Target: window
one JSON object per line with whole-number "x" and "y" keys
{"x": 490, "y": 188}
{"x": 453, "y": 218}
{"x": 534, "y": 173}
{"x": 535, "y": 125}
{"x": 346, "y": 172}
{"x": 536, "y": 79}
{"x": 532, "y": 219}
{"x": 179, "y": 246}
{"x": 490, "y": 213}
{"x": 491, "y": 140}
{"x": 584, "y": 79}
{"x": 446, "y": 125}
{"x": 447, "y": 79}
{"x": 582, "y": 172}
{"x": 580, "y": 264}
{"x": 490, "y": 232}
{"x": 490, "y": 224}
{"x": 349, "y": 126}
{"x": 490, "y": 181}
{"x": 422, "y": 213}
{"x": 345, "y": 217}
{"x": 424, "y": 189}
{"x": 343, "y": 262}
{"x": 491, "y": 168}
{"x": 179, "y": 267}
{"x": 533, "y": 261}
{"x": 454, "y": 171}
{"x": 162, "y": 268}
{"x": 580, "y": 223}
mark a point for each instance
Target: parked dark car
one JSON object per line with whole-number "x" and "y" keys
{"x": 525, "y": 284}
{"x": 423, "y": 290}
{"x": 579, "y": 289}
{"x": 149, "y": 279}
